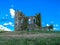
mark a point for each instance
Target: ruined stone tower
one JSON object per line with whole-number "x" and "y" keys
{"x": 19, "y": 17}
{"x": 23, "y": 22}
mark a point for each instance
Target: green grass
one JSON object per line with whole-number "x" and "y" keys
{"x": 30, "y": 41}
{"x": 3, "y": 31}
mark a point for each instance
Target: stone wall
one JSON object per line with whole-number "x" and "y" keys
{"x": 22, "y": 22}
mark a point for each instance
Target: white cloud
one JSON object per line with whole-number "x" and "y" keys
{"x": 55, "y": 28}
{"x": 47, "y": 25}
{"x": 12, "y": 12}
{"x": 56, "y": 25}
{"x": 2, "y": 28}
{"x": 5, "y": 24}
{"x": 9, "y": 23}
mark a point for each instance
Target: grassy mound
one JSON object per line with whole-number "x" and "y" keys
{"x": 30, "y": 38}
{"x": 30, "y": 41}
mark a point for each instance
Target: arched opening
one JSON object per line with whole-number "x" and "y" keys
{"x": 34, "y": 20}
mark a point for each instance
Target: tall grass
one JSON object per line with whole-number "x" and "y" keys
{"x": 30, "y": 41}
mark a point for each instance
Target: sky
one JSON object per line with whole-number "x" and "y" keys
{"x": 49, "y": 9}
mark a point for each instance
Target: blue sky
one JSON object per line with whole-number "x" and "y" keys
{"x": 49, "y": 9}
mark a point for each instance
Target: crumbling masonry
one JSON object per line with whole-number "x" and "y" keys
{"x": 23, "y": 22}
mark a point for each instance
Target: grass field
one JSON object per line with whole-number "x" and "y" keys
{"x": 30, "y": 38}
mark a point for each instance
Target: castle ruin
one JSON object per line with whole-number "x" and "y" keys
{"x": 23, "y": 22}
